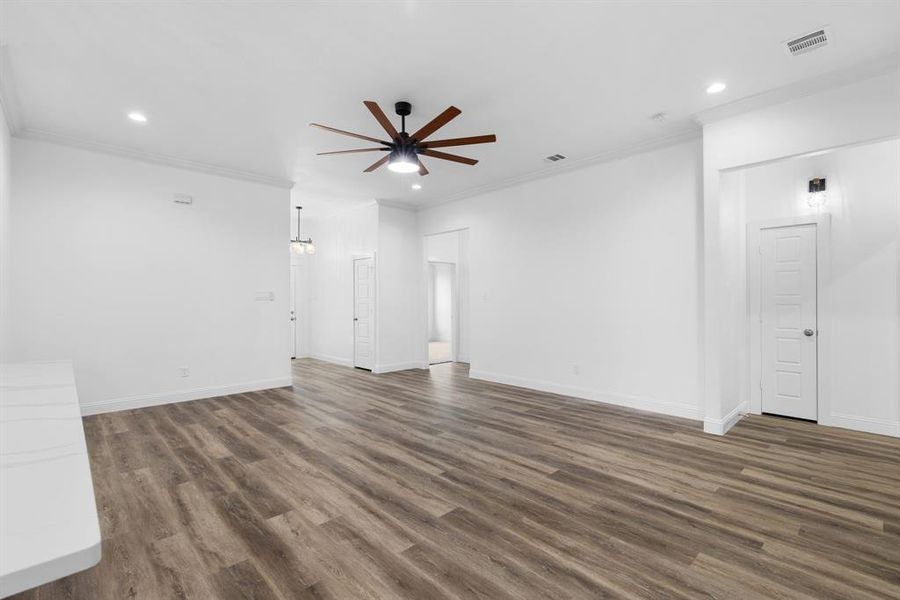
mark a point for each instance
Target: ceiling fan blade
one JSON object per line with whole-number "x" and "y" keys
{"x": 356, "y": 135}
{"x": 352, "y": 151}
{"x": 436, "y": 123}
{"x": 382, "y": 119}
{"x": 422, "y": 170}
{"x": 477, "y": 139}
{"x": 445, "y": 156}
{"x": 377, "y": 164}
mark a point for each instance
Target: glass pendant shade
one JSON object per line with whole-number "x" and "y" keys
{"x": 298, "y": 247}
{"x": 403, "y": 162}
{"x": 817, "y": 199}
{"x": 310, "y": 248}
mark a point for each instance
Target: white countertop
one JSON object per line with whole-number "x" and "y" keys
{"x": 48, "y": 516}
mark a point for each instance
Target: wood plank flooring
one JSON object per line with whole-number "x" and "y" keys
{"x": 430, "y": 485}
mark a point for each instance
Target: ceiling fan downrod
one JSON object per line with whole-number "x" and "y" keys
{"x": 403, "y": 109}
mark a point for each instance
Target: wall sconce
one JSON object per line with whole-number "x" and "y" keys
{"x": 299, "y": 246}
{"x": 817, "y": 194}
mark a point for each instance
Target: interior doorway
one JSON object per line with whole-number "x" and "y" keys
{"x": 442, "y": 312}
{"x": 446, "y": 332}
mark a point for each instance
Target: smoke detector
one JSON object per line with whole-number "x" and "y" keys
{"x": 809, "y": 42}
{"x": 555, "y": 158}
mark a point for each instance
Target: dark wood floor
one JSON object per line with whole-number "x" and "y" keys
{"x": 430, "y": 485}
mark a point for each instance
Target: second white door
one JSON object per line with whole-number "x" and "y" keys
{"x": 364, "y": 313}
{"x": 789, "y": 322}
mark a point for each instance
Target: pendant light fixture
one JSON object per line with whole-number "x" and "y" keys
{"x": 817, "y": 194}
{"x": 300, "y": 246}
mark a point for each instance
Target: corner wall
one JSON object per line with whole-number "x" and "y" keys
{"x": 401, "y": 317}
{"x": 339, "y": 238}
{"x": 132, "y": 286}
{"x": 5, "y": 230}
{"x": 565, "y": 279}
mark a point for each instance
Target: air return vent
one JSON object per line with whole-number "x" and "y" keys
{"x": 808, "y": 43}
{"x": 555, "y": 158}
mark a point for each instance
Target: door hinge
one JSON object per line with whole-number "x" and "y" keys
{"x": 760, "y": 249}
{"x": 760, "y": 384}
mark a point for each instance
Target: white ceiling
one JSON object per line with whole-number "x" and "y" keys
{"x": 235, "y": 84}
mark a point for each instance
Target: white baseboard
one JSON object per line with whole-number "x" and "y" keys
{"x": 399, "y": 367}
{"x": 649, "y": 404}
{"x": 131, "y": 402}
{"x": 867, "y": 424}
{"x": 338, "y": 360}
{"x": 721, "y": 426}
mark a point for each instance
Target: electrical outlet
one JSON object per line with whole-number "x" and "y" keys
{"x": 576, "y": 369}
{"x": 183, "y": 372}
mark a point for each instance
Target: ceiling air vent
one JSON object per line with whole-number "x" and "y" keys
{"x": 808, "y": 43}
{"x": 555, "y": 158}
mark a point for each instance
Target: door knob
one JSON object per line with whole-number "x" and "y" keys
{"x": 355, "y": 319}
{"x": 808, "y": 332}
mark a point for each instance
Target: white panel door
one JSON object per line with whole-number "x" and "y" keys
{"x": 788, "y": 314}
{"x": 293, "y": 311}
{"x": 364, "y": 313}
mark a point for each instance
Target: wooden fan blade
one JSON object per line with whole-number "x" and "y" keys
{"x": 477, "y": 139}
{"x": 382, "y": 118}
{"x": 445, "y": 156}
{"x": 351, "y": 151}
{"x": 422, "y": 170}
{"x": 377, "y": 164}
{"x": 436, "y": 123}
{"x": 356, "y": 135}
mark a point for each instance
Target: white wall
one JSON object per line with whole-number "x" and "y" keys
{"x": 5, "y": 201}
{"x": 441, "y": 306}
{"x": 864, "y": 111}
{"x": 859, "y": 307}
{"x": 113, "y": 274}
{"x": 401, "y": 315}
{"x": 339, "y": 238}
{"x": 587, "y": 283}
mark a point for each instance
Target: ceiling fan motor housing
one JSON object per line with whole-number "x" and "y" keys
{"x": 403, "y": 108}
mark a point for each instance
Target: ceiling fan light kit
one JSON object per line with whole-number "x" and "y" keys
{"x": 404, "y": 149}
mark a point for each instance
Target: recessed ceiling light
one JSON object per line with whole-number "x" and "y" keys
{"x": 137, "y": 117}
{"x": 715, "y": 88}
{"x": 417, "y": 186}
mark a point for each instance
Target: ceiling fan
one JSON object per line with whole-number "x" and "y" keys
{"x": 404, "y": 149}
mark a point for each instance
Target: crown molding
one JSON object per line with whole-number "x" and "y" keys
{"x": 149, "y": 157}
{"x": 9, "y": 101}
{"x": 603, "y": 157}
{"x": 799, "y": 89}
{"x": 397, "y": 204}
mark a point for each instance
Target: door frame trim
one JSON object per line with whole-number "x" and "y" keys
{"x": 823, "y": 308}
{"x": 355, "y": 257}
